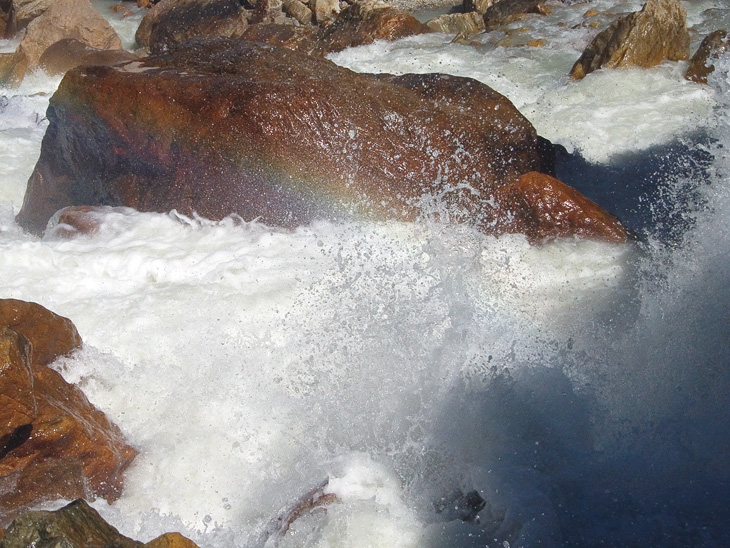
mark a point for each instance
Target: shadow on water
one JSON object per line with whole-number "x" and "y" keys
{"x": 651, "y": 191}
{"x": 622, "y": 440}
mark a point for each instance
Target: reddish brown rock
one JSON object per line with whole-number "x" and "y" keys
{"x": 49, "y": 334}
{"x": 66, "y": 54}
{"x": 641, "y": 39}
{"x": 226, "y": 126}
{"x": 53, "y": 442}
{"x": 701, "y": 65}
{"x": 171, "y": 22}
{"x": 543, "y": 208}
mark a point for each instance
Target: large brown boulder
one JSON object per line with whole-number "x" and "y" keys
{"x": 227, "y": 126}
{"x": 53, "y": 442}
{"x": 641, "y": 39}
{"x": 76, "y": 19}
{"x": 702, "y": 63}
{"x": 172, "y": 22}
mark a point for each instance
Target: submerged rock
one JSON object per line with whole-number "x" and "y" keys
{"x": 53, "y": 442}
{"x": 700, "y": 66}
{"x": 225, "y": 126}
{"x": 641, "y": 39}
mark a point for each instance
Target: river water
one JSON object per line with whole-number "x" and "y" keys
{"x": 582, "y": 389}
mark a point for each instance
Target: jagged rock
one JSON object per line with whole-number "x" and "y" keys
{"x": 172, "y": 22}
{"x": 478, "y": 6}
{"x": 457, "y": 23}
{"x": 228, "y": 126}
{"x": 53, "y": 442}
{"x": 543, "y": 209}
{"x": 69, "y": 53}
{"x": 75, "y": 19}
{"x": 505, "y": 11}
{"x": 700, "y": 66}
{"x": 642, "y": 39}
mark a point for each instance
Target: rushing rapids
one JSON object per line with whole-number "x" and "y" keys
{"x": 393, "y": 369}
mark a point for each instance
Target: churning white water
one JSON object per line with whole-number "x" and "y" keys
{"x": 580, "y": 388}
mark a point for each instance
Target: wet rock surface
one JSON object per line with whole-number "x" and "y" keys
{"x": 224, "y": 126}
{"x": 53, "y": 442}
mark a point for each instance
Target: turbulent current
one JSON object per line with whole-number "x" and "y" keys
{"x": 580, "y": 389}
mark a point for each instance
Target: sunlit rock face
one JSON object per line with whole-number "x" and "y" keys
{"x": 641, "y": 39}
{"x": 223, "y": 126}
{"x": 53, "y": 442}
